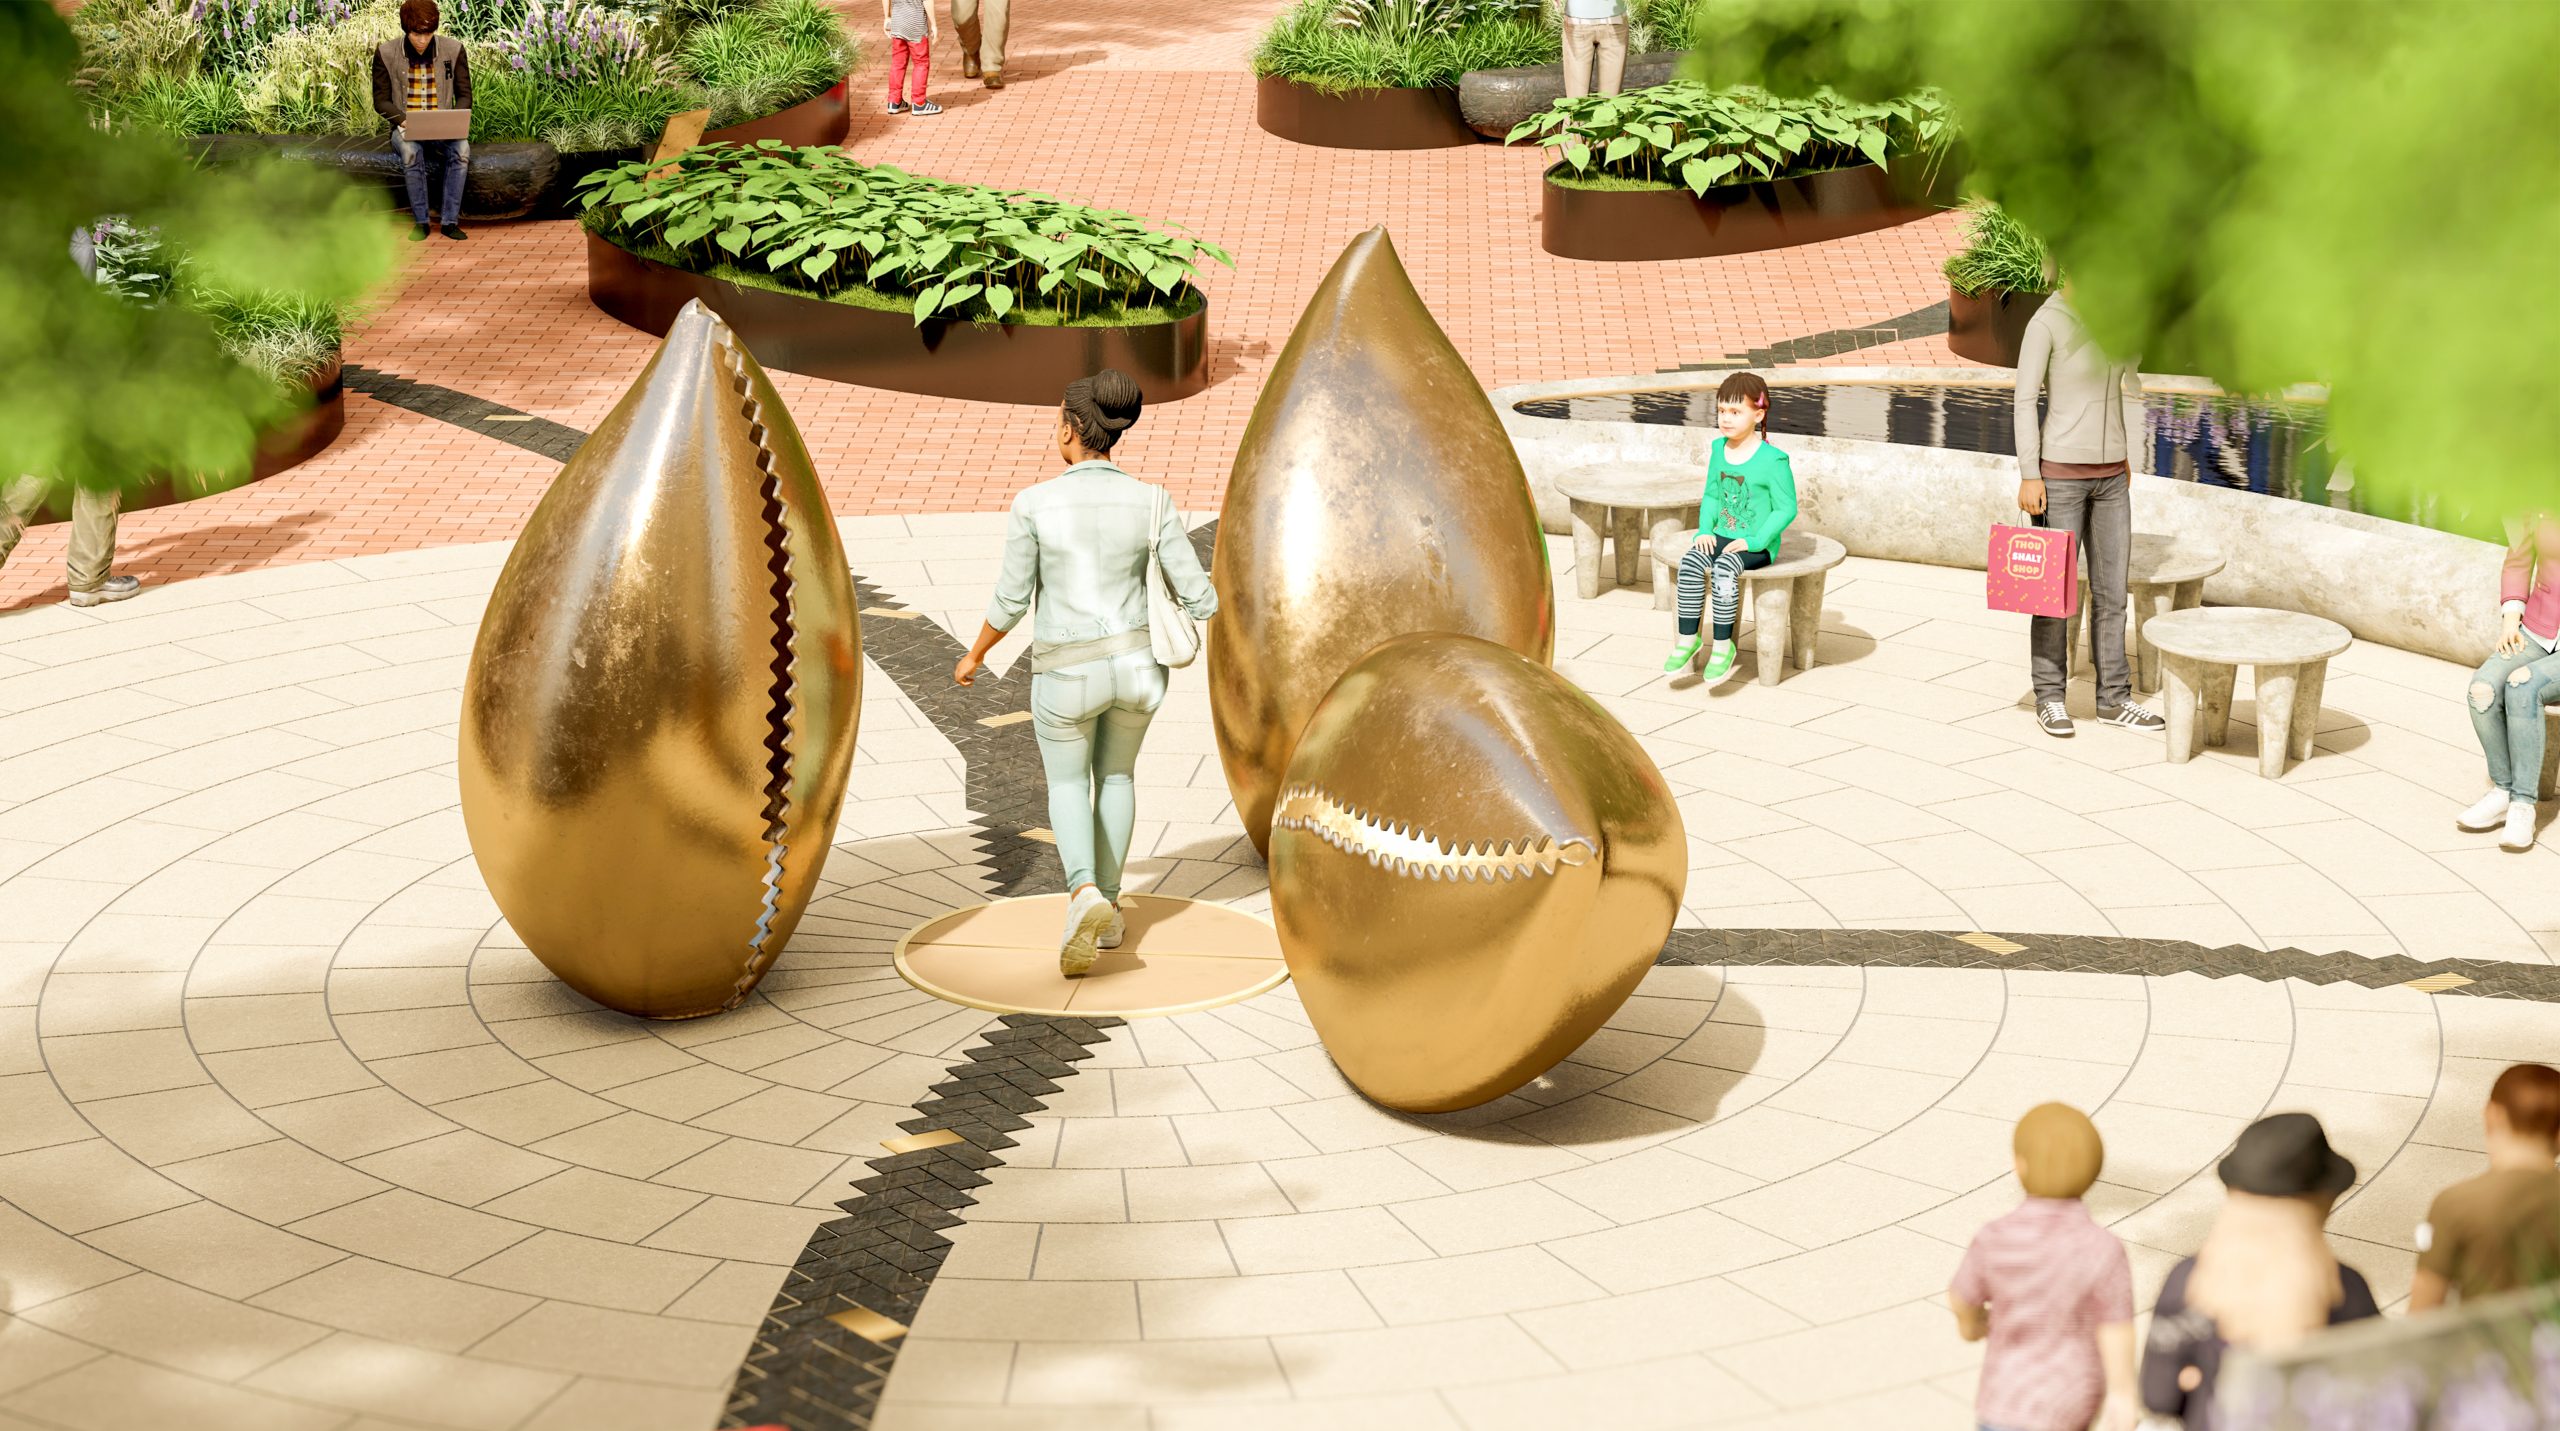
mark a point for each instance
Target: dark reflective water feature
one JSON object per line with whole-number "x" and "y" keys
{"x": 2275, "y": 447}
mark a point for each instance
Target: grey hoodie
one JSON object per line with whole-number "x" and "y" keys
{"x": 2087, "y": 416}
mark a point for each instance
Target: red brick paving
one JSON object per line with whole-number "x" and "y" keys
{"x": 1102, "y": 109}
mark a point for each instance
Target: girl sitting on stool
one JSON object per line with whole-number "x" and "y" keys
{"x": 1749, "y": 500}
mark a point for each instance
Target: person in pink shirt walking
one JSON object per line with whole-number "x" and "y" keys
{"x": 2516, "y": 683}
{"x": 2052, "y": 1290}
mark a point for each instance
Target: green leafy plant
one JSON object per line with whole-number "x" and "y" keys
{"x": 1686, "y": 135}
{"x": 318, "y": 79}
{"x": 1398, "y": 44}
{"x": 166, "y": 104}
{"x": 102, "y": 391}
{"x": 766, "y": 57}
{"x": 1657, "y": 25}
{"x": 1998, "y": 252}
{"x": 814, "y": 221}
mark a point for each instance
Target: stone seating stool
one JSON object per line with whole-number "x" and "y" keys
{"x": 2162, "y": 576}
{"x": 2203, "y": 648}
{"x": 1785, "y": 595}
{"x": 1615, "y": 501}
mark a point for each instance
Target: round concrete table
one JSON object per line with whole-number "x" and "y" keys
{"x": 2162, "y": 576}
{"x": 2203, "y": 649}
{"x": 1786, "y": 596}
{"x": 1627, "y": 503}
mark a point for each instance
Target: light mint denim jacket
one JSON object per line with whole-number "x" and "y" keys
{"x": 1080, "y": 540}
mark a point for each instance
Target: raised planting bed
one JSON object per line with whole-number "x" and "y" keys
{"x": 286, "y": 445}
{"x": 1653, "y": 224}
{"x": 514, "y": 180}
{"x": 1989, "y": 326}
{"x": 1494, "y": 102}
{"x": 886, "y": 348}
{"x": 1360, "y": 118}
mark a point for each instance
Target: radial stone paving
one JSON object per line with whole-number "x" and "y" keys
{"x": 293, "y": 1134}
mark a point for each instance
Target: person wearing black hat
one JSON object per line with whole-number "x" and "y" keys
{"x": 2264, "y": 1277}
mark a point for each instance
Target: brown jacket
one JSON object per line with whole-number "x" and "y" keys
{"x": 391, "y": 76}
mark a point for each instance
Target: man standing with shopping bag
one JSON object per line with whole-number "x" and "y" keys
{"x": 2074, "y": 478}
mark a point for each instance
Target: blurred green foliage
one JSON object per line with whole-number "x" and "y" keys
{"x": 2353, "y": 192}
{"x": 105, "y": 391}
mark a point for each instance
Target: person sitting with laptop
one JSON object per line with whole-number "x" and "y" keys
{"x": 422, "y": 89}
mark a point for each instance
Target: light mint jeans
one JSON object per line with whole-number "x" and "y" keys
{"x": 2507, "y": 714}
{"x": 1090, "y": 719}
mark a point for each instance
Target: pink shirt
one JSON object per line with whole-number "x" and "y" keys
{"x": 2051, "y": 1277}
{"x": 2532, "y": 580}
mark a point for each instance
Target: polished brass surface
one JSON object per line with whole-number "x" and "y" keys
{"x": 660, "y": 710}
{"x": 1375, "y": 494}
{"x": 1472, "y": 866}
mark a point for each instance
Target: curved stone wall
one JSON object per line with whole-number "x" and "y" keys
{"x": 2389, "y": 582}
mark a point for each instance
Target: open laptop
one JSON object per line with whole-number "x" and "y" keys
{"x": 436, "y": 124}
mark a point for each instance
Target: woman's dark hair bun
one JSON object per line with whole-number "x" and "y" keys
{"x": 1104, "y": 406}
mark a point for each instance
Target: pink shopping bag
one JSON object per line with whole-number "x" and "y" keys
{"x": 2034, "y": 570}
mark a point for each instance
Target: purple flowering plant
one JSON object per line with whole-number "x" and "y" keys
{"x": 569, "y": 45}
{"x": 236, "y": 30}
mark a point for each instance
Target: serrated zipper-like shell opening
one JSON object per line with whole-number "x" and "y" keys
{"x": 783, "y": 691}
{"x": 1412, "y": 852}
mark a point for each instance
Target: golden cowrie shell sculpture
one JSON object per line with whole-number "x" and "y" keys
{"x": 1375, "y": 493}
{"x": 661, "y": 706}
{"x": 1472, "y": 866}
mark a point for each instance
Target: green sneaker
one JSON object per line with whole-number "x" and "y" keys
{"x": 1682, "y": 654}
{"x": 1720, "y": 663}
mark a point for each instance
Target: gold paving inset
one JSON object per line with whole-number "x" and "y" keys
{"x": 1179, "y": 955}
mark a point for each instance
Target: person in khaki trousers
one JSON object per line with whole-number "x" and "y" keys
{"x": 981, "y": 24}
{"x": 93, "y": 537}
{"x": 1593, "y": 29}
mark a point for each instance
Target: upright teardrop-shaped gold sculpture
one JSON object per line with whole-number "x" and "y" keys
{"x": 660, "y": 711}
{"x": 1472, "y": 866}
{"x": 1375, "y": 494}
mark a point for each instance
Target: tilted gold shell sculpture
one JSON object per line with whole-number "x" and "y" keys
{"x": 660, "y": 711}
{"x": 1472, "y": 866}
{"x": 1375, "y": 494}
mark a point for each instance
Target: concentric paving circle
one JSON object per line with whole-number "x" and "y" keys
{"x": 1179, "y": 955}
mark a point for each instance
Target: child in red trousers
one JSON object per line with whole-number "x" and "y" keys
{"x": 911, "y": 28}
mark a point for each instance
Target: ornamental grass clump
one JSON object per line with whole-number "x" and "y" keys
{"x": 816, "y": 222}
{"x": 1998, "y": 253}
{"x": 1399, "y": 44}
{"x": 1685, "y": 135}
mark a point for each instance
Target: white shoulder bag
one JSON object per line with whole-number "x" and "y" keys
{"x": 1171, "y": 632}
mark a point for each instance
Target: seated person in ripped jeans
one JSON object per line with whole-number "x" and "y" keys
{"x": 425, "y": 70}
{"x": 1749, "y": 500}
{"x": 2516, "y": 684}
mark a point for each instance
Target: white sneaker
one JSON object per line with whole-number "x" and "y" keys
{"x": 1088, "y": 915}
{"x": 2519, "y": 835}
{"x": 2485, "y": 814}
{"x": 1114, "y": 932}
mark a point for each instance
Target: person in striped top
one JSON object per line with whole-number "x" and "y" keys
{"x": 2051, "y": 1290}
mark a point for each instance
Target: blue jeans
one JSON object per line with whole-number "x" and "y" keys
{"x": 2507, "y": 698}
{"x": 1090, "y": 719}
{"x": 453, "y": 156}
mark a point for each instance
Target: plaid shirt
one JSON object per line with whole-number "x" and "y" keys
{"x": 422, "y": 81}
{"x": 2051, "y": 1277}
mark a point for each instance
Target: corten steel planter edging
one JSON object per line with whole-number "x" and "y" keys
{"x": 281, "y": 448}
{"x": 1360, "y": 118}
{"x": 1989, "y": 326}
{"x": 822, "y": 120}
{"x": 870, "y": 347}
{"x": 1651, "y": 225}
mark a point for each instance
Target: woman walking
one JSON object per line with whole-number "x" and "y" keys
{"x": 1081, "y": 541}
{"x": 2516, "y": 683}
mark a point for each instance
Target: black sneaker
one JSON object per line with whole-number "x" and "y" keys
{"x": 2132, "y": 717}
{"x": 418, "y": 234}
{"x": 2054, "y": 718}
{"x": 454, "y": 231}
{"x": 897, "y": 106}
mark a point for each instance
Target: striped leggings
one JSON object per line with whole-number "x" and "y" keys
{"x": 1721, "y": 562}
